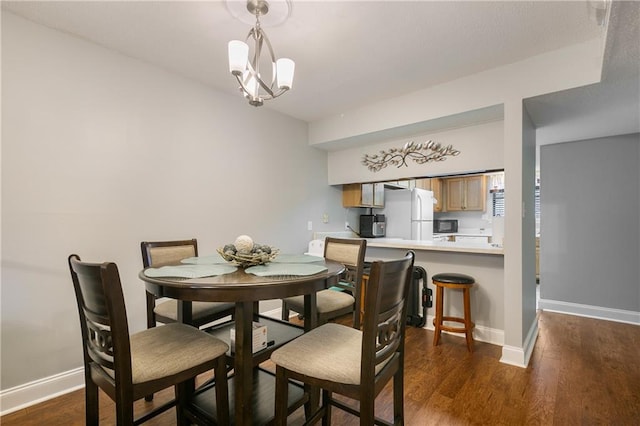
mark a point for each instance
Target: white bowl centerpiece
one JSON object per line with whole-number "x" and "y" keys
{"x": 245, "y": 252}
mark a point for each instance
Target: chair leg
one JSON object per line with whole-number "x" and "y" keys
{"x": 398, "y": 397}
{"x": 282, "y": 396}
{"x": 92, "y": 405}
{"x": 468, "y": 325}
{"x": 367, "y": 407}
{"x": 124, "y": 410}
{"x": 151, "y": 322}
{"x": 326, "y": 406}
{"x": 437, "y": 321}
{"x": 181, "y": 396}
{"x": 222, "y": 392}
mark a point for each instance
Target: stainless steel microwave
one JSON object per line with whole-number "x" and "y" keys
{"x": 445, "y": 226}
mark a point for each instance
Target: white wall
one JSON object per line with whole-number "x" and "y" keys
{"x": 573, "y": 66}
{"x": 100, "y": 152}
{"x": 528, "y": 190}
{"x": 590, "y": 227}
{"x": 480, "y": 149}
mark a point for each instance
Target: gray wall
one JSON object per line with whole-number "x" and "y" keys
{"x": 528, "y": 223}
{"x": 100, "y": 152}
{"x": 590, "y": 222}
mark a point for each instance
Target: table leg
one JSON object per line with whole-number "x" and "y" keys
{"x": 185, "y": 313}
{"x": 310, "y": 312}
{"x": 243, "y": 366}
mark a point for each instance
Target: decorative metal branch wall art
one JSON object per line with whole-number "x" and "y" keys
{"x": 423, "y": 152}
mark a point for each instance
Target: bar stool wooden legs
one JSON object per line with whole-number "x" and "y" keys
{"x": 453, "y": 281}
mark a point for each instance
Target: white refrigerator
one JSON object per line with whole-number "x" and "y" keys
{"x": 409, "y": 214}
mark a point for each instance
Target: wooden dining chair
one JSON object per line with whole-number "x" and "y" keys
{"x": 162, "y": 253}
{"x": 344, "y": 296}
{"x": 127, "y": 366}
{"x": 351, "y": 362}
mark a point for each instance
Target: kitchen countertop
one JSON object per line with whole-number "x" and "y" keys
{"x": 466, "y": 232}
{"x": 461, "y": 234}
{"x": 459, "y": 247}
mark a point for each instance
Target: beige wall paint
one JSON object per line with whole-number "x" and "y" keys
{"x": 100, "y": 152}
{"x": 480, "y": 149}
{"x": 574, "y": 66}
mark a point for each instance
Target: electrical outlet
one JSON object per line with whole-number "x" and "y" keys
{"x": 309, "y": 226}
{"x": 346, "y": 226}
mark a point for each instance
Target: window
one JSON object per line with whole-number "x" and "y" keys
{"x": 537, "y": 202}
{"x": 497, "y": 202}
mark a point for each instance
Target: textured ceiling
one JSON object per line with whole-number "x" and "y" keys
{"x": 347, "y": 53}
{"x": 611, "y": 107}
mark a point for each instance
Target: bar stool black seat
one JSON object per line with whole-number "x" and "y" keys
{"x": 458, "y": 282}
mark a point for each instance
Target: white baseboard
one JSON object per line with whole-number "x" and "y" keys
{"x": 517, "y": 356}
{"x": 480, "y": 333}
{"x": 41, "y": 390}
{"x": 47, "y": 388}
{"x": 598, "y": 312}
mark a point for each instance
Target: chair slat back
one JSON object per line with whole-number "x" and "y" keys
{"x": 385, "y": 312}
{"x": 349, "y": 252}
{"x": 103, "y": 318}
{"x": 162, "y": 253}
{"x": 344, "y": 251}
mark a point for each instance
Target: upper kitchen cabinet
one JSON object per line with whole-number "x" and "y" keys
{"x": 363, "y": 195}
{"x": 466, "y": 193}
{"x": 434, "y": 185}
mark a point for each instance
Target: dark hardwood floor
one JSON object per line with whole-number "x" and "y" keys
{"x": 582, "y": 372}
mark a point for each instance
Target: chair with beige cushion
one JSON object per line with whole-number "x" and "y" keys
{"x": 162, "y": 253}
{"x": 350, "y": 362}
{"x": 127, "y": 366}
{"x": 344, "y": 297}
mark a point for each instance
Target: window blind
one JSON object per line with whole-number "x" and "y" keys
{"x": 497, "y": 202}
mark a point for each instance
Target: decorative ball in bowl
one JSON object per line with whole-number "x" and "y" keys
{"x": 244, "y": 252}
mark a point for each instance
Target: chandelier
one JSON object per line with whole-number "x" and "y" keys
{"x": 247, "y": 70}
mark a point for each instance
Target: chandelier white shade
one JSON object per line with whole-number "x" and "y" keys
{"x": 244, "y": 64}
{"x": 238, "y": 56}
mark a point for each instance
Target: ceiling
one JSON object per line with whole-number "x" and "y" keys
{"x": 350, "y": 53}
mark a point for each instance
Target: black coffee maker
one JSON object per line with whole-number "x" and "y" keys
{"x": 372, "y": 225}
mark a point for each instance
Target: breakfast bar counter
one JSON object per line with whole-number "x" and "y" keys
{"x": 442, "y": 246}
{"x": 484, "y": 262}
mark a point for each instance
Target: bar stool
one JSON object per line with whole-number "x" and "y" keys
{"x": 453, "y": 281}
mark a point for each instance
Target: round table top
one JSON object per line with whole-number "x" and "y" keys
{"x": 240, "y": 286}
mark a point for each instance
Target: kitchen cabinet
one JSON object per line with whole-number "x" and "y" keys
{"x": 404, "y": 183}
{"x": 466, "y": 193}
{"x": 434, "y": 185}
{"x": 363, "y": 195}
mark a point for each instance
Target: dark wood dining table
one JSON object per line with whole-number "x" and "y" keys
{"x": 246, "y": 290}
